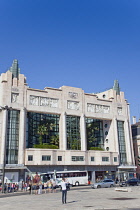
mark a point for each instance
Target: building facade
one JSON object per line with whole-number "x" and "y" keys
{"x": 136, "y": 142}
{"x": 62, "y": 129}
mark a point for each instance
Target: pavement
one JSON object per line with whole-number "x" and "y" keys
{"x": 78, "y": 198}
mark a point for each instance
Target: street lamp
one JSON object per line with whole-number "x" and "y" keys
{"x": 4, "y": 135}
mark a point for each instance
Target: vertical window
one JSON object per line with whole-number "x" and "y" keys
{"x": 30, "y": 157}
{"x": 73, "y": 133}
{"x": 115, "y": 159}
{"x": 12, "y": 137}
{"x": 92, "y": 158}
{"x": 121, "y": 139}
{"x": 59, "y": 158}
{"x": 94, "y": 131}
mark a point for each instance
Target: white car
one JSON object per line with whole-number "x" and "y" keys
{"x": 104, "y": 183}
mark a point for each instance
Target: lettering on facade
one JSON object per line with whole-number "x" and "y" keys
{"x": 43, "y": 101}
{"x": 14, "y": 98}
{"x": 96, "y": 108}
{"x": 73, "y": 95}
{"x": 73, "y": 105}
{"x": 119, "y": 109}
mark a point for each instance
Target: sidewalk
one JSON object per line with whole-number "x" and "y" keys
{"x": 77, "y": 198}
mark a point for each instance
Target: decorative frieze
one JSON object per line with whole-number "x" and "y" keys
{"x": 73, "y": 105}
{"x": 50, "y": 102}
{"x": 73, "y": 95}
{"x": 119, "y": 110}
{"x": 14, "y": 89}
{"x": 43, "y": 101}
{"x": 14, "y": 97}
{"x": 96, "y": 108}
{"x": 34, "y": 100}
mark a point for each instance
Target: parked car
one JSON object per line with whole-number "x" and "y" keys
{"x": 129, "y": 182}
{"x": 104, "y": 183}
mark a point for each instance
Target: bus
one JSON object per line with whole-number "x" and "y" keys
{"x": 75, "y": 178}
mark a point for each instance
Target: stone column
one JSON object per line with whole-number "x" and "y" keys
{"x": 93, "y": 179}
{"x": 115, "y": 135}
{"x": 127, "y": 142}
{"x": 4, "y": 135}
{"x": 83, "y": 133}
{"x": 22, "y": 139}
{"x": 63, "y": 137}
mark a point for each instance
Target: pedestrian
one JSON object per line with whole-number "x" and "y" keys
{"x": 49, "y": 184}
{"x": 53, "y": 185}
{"x": 40, "y": 188}
{"x": 30, "y": 187}
{"x": 64, "y": 191}
{"x": 45, "y": 187}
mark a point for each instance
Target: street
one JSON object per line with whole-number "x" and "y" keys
{"x": 77, "y": 198}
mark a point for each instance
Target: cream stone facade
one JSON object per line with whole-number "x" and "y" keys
{"x": 136, "y": 144}
{"x": 109, "y": 110}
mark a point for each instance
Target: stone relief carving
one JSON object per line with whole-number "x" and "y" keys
{"x": 43, "y": 101}
{"x": 34, "y": 100}
{"x": 119, "y": 110}
{"x": 50, "y": 102}
{"x": 14, "y": 97}
{"x": 73, "y": 95}
{"x": 106, "y": 109}
{"x": 15, "y": 89}
{"x": 73, "y": 105}
{"x": 98, "y": 108}
{"x": 91, "y": 107}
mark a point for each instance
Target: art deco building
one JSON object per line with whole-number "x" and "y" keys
{"x": 62, "y": 129}
{"x": 136, "y": 142}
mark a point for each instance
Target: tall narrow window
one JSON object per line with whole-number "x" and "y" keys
{"x": 121, "y": 139}
{"x": 94, "y": 131}
{"x": 73, "y": 133}
{"x": 12, "y": 137}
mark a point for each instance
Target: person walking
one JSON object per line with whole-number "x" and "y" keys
{"x": 64, "y": 191}
{"x": 53, "y": 185}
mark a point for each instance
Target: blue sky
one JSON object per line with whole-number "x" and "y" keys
{"x": 79, "y": 43}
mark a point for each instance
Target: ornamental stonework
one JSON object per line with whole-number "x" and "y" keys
{"x": 73, "y": 105}
{"x": 43, "y": 101}
{"x": 50, "y": 102}
{"x": 34, "y": 100}
{"x": 14, "y": 98}
{"x": 96, "y": 108}
{"x": 119, "y": 109}
{"x": 73, "y": 95}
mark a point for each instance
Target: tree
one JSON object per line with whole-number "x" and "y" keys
{"x": 43, "y": 129}
{"x": 55, "y": 140}
{"x": 91, "y": 134}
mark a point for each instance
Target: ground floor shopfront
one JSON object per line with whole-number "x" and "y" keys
{"x": 95, "y": 173}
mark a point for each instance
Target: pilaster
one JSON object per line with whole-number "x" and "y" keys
{"x": 22, "y": 140}
{"x": 63, "y": 137}
{"x": 4, "y": 135}
{"x": 83, "y": 133}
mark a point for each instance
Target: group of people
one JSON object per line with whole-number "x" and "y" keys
{"x": 10, "y": 187}
{"x": 50, "y": 185}
{"x": 38, "y": 187}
